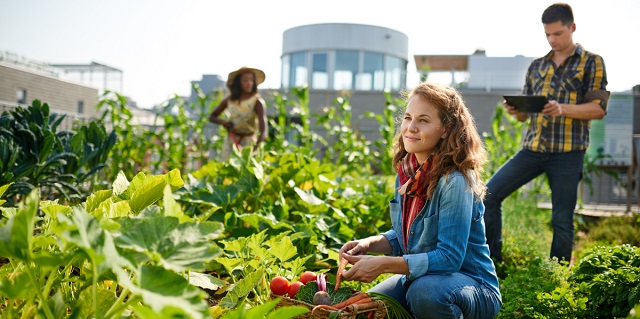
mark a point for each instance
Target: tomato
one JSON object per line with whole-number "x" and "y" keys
{"x": 307, "y": 276}
{"x": 279, "y": 285}
{"x": 294, "y": 287}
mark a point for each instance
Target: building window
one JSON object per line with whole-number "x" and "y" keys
{"x": 285, "y": 71}
{"x": 298, "y": 72}
{"x": 319, "y": 74}
{"x": 344, "y": 76}
{"x": 372, "y": 76}
{"x": 21, "y": 96}
{"x": 80, "y": 107}
{"x": 394, "y": 74}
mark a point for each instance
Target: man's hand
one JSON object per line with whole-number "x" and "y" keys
{"x": 553, "y": 108}
{"x": 510, "y": 108}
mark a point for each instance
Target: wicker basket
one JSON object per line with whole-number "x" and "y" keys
{"x": 375, "y": 310}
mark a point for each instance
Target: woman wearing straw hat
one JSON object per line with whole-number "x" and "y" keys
{"x": 244, "y": 109}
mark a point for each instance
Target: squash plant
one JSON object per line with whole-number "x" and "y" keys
{"x": 127, "y": 250}
{"x": 289, "y": 192}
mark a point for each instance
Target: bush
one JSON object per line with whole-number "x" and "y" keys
{"x": 610, "y": 278}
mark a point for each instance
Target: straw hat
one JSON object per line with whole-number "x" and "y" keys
{"x": 259, "y": 74}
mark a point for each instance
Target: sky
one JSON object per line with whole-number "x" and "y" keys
{"x": 161, "y": 45}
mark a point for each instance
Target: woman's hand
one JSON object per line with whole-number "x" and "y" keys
{"x": 355, "y": 247}
{"x": 365, "y": 268}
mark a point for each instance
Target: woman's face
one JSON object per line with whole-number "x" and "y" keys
{"x": 421, "y": 128}
{"x": 246, "y": 82}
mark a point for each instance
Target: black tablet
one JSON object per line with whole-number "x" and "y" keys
{"x": 527, "y": 103}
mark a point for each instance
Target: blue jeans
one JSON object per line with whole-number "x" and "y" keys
{"x": 442, "y": 296}
{"x": 564, "y": 171}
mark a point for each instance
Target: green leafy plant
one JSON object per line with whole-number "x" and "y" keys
{"x": 610, "y": 278}
{"x": 306, "y": 293}
{"x": 117, "y": 252}
{"x": 35, "y": 155}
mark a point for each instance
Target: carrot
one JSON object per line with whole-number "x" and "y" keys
{"x": 343, "y": 264}
{"x": 363, "y": 304}
{"x": 325, "y": 307}
{"x": 351, "y": 300}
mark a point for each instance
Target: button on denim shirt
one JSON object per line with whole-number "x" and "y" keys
{"x": 447, "y": 236}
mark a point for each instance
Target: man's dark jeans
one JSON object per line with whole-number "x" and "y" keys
{"x": 564, "y": 171}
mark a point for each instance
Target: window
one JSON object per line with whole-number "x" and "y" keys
{"x": 344, "y": 76}
{"x": 298, "y": 72}
{"x": 80, "y": 107}
{"x": 21, "y": 96}
{"x": 394, "y": 73}
{"x": 372, "y": 76}
{"x": 319, "y": 75}
{"x": 285, "y": 71}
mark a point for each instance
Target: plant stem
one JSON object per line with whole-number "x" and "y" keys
{"x": 95, "y": 291}
{"x": 119, "y": 305}
{"x": 40, "y": 292}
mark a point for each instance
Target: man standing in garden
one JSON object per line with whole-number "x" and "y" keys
{"x": 574, "y": 81}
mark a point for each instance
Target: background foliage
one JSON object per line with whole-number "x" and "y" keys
{"x": 148, "y": 222}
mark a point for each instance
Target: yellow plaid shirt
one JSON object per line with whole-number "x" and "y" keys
{"x": 571, "y": 82}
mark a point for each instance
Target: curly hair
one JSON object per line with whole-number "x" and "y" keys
{"x": 461, "y": 150}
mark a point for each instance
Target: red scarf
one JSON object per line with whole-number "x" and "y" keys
{"x": 415, "y": 180}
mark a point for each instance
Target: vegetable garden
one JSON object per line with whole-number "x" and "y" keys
{"x": 114, "y": 220}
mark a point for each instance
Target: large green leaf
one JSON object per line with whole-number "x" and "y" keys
{"x": 164, "y": 240}
{"x": 282, "y": 248}
{"x": 52, "y": 208}
{"x": 85, "y": 306}
{"x": 171, "y": 207}
{"x": 84, "y": 231}
{"x": 206, "y": 281}
{"x": 308, "y": 197}
{"x": 174, "y": 179}
{"x": 121, "y": 184}
{"x": 95, "y": 199}
{"x": 242, "y": 288}
{"x": 3, "y": 189}
{"x": 109, "y": 209}
{"x": 162, "y": 288}
{"x": 16, "y": 235}
{"x": 148, "y": 193}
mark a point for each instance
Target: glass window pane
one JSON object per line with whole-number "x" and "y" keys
{"x": 372, "y": 77}
{"x": 285, "y": 72}
{"x": 394, "y": 74}
{"x": 298, "y": 72}
{"x": 21, "y": 96}
{"x": 319, "y": 75}
{"x": 344, "y": 76}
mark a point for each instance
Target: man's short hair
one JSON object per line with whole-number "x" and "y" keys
{"x": 558, "y": 12}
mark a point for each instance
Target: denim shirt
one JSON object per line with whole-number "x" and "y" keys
{"x": 447, "y": 236}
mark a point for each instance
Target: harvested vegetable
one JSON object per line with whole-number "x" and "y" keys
{"x": 294, "y": 287}
{"x": 343, "y": 264}
{"x": 306, "y": 293}
{"x": 279, "y": 285}
{"x": 325, "y": 307}
{"x": 321, "y": 298}
{"x": 321, "y": 281}
{"x": 307, "y": 276}
{"x": 352, "y": 300}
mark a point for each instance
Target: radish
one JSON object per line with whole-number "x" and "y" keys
{"x": 321, "y": 281}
